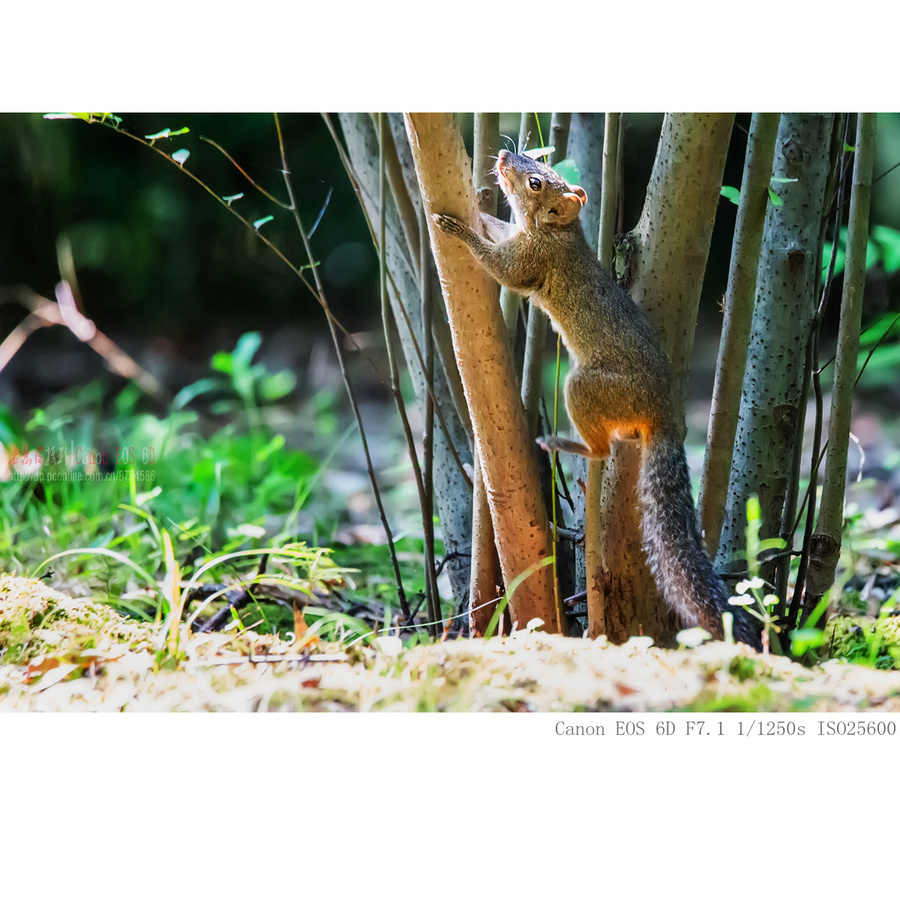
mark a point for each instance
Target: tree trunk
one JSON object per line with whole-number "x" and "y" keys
{"x": 670, "y": 246}
{"x": 739, "y": 299}
{"x": 506, "y": 452}
{"x": 487, "y": 582}
{"x": 772, "y": 400}
{"x": 825, "y": 548}
{"x": 586, "y": 148}
{"x": 452, "y": 494}
{"x": 595, "y": 471}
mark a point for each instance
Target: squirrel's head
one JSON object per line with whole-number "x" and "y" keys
{"x": 539, "y": 197}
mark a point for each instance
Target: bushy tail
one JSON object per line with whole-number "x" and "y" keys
{"x": 683, "y": 571}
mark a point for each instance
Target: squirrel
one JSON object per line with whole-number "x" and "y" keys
{"x": 619, "y": 382}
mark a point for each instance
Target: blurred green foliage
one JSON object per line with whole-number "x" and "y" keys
{"x": 152, "y": 252}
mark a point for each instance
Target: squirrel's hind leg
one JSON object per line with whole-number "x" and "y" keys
{"x": 564, "y": 445}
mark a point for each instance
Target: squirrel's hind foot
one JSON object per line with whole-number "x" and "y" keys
{"x": 564, "y": 445}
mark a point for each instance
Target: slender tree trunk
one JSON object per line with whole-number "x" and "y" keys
{"x": 538, "y": 323}
{"x": 507, "y": 459}
{"x": 586, "y": 148}
{"x": 595, "y": 475}
{"x": 825, "y": 548}
{"x": 510, "y": 301}
{"x": 486, "y": 577}
{"x": 452, "y": 494}
{"x": 739, "y": 299}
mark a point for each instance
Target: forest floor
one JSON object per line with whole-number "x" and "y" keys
{"x": 74, "y": 654}
{"x": 62, "y": 650}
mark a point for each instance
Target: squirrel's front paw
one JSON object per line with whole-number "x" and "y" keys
{"x": 449, "y": 225}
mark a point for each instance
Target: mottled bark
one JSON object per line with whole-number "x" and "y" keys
{"x": 772, "y": 399}
{"x": 739, "y": 299}
{"x": 480, "y": 344}
{"x": 826, "y": 542}
{"x": 452, "y": 493}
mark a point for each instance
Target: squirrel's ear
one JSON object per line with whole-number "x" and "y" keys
{"x": 579, "y": 192}
{"x": 573, "y": 199}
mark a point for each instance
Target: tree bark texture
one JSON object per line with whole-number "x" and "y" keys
{"x": 586, "y": 149}
{"x": 772, "y": 398}
{"x": 826, "y": 543}
{"x": 670, "y": 246}
{"x": 452, "y": 495}
{"x": 486, "y": 580}
{"x": 739, "y": 298}
{"x": 595, "y": 473}
{"x": 507, "y": 459}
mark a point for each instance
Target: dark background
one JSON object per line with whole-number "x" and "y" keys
{"x": 169, "y": 275}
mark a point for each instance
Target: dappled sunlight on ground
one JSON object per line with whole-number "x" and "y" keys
{"x": 60, "y": 653}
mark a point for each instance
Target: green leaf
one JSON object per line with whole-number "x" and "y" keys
{"x": 877, "y": 331}
{"x": 884, "y": 247}
{"x": 232, "y": 197}
{"x": 730, "y": 193}
{"x": 180, "y": 156}
{"x": 803, "y": 639}
{"x": 873, "y": 255}
{"x": 245, "y": 349}
{"x": 273, "y": 446}
{"x": 784, "y": 180}
{"x": 882, "y": 368}
{"x": 775, "y": 199}
{"x": 222, "y": 362}
{"x": 260, "y": 222}
{"x": 568, "y": 171}
{"x": 888, "y": 241}
{"x": 275, "y": 386}
{"x": 165, "y": 133}
{"x": 187, "y": 394}
{"x": 538, "y": 152}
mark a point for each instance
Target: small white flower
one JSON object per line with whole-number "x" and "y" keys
{"x": 750, "y": 584}
{"x": 692, "y": 637}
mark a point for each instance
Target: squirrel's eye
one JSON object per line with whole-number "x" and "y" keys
{"x": 534, "y": 183}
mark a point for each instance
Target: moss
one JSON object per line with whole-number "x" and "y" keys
{"x": 858, "y": 638}
{"x": 15, "y": 638}
{"x": 36, "y": 620}
{"x": 744, "y": 667}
